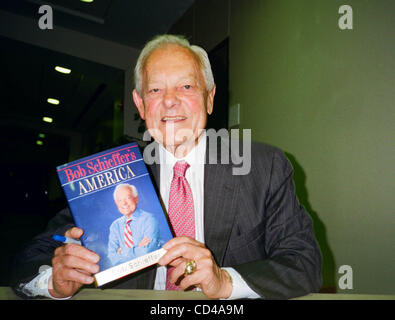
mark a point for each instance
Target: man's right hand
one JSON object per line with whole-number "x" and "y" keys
{"x": 72, "y": 266}
{"x": 145, "y": 242}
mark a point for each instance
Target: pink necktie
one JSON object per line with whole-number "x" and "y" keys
{"x": 127, "y": 234}
{"x": 181, "y": 211}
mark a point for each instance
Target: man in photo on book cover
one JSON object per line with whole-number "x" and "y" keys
{"x": 136, "y": 232}
{"x": 237, "y": 236}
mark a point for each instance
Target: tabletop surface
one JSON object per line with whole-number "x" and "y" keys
{"x": 6, "y": 293}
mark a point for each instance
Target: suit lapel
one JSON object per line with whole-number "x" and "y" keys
{"x": 147, "y": 278}
{"x": 151, "y": 154}
{"x": 220, "y": 204}
{"x": 154, "y": 170}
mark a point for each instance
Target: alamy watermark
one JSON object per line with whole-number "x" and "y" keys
{"x": 345, "y": 21}
{"x": 346, "y": 280}
{"x": 223, "y": 146}
{"x": 46, "y": 20}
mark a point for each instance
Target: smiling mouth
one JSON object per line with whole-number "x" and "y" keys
{"x": 173, "y": 119}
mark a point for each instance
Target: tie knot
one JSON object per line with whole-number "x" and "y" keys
{"x": 180, "y": 168}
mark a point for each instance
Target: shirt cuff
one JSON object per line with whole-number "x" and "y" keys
{"x": 241, "y": 290}
{"x": 39, "y": 285}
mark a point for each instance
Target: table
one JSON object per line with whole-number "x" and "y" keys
{"x": 6, "y": 293}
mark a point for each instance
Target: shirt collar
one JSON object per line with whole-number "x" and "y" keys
{"x": 195, "y": 157}
{"x": 135, "y": 215}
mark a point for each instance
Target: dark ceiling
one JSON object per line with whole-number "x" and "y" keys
{"x": 28, "y": 79}
{"x": 130, "y": 22}
{"x": 88, "y": 94}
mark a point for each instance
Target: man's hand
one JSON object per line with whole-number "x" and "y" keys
{"x": 214, "y": 282}
{"x": 145, "y": 242}
{"x": 72, "y": 267}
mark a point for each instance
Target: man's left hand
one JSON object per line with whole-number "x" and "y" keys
{"x": 214, "y": 282}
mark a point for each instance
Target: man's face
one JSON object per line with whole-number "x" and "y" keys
{"x": 174, "y": 101}
{"x": 125, "y": 201}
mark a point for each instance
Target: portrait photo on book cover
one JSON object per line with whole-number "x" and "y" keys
{"x": 129, "y": 223}
{"x": 136, "y": 232}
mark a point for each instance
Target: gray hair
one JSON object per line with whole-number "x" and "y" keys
{"x": 125, "y": 185}
{"x": 166, "y": 39}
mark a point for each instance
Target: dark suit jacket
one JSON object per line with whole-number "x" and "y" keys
{"x": 253, "y": 223}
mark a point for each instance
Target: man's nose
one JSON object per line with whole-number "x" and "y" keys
{"x": 170, "y": 98}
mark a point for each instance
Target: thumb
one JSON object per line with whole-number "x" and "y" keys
{"x": 74, "y": 233}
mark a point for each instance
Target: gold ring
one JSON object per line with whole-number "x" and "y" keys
{"x": 190, "y": 267}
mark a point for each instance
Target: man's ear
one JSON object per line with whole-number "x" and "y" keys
{"x": 138, "y": 101}
{"x": 210, "y": 100}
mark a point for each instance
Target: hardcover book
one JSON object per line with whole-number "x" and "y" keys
{"x": 112, "y": 198}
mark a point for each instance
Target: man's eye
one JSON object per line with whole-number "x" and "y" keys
{"x": 155, "y": 90}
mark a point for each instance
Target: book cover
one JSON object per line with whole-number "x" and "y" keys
{"x": 112, "y": 198}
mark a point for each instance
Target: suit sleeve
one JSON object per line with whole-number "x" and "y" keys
{"x": 292, "y": 263}
{"x": 38, "y": 252}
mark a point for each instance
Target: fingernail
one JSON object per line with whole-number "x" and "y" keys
{"x": 89, "y": 280}
{"x": 95, "y": 269}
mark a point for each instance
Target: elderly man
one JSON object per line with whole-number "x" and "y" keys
{"x": 135, "y": 233}
{"x": 240, "y": 236}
